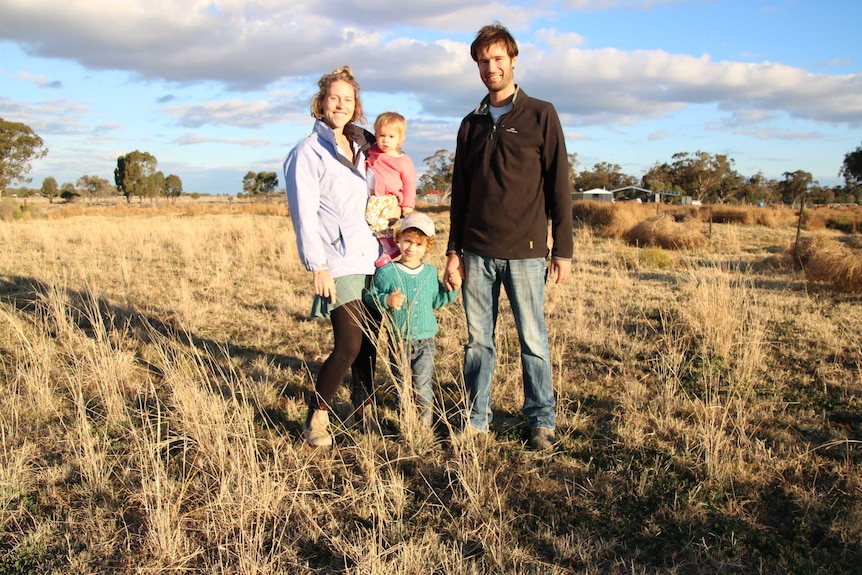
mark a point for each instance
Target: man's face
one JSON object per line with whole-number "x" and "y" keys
{"x": 495, "y": 68}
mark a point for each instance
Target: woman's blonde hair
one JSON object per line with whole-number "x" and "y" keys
{"x": 343, "y": 74}
{"x": 391, "y": 119}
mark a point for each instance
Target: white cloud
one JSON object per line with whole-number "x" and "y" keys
{"x": 194, "y": 139}
{"x": 274, "y": 42}
{"x": 236, "y": 112}
{"x": 610, "y": 85}
{"x": 41, "y": 81}
{"x": 597, "y": 5}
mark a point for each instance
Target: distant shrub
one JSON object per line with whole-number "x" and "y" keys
{"x": 829, "y": 261}
{"x": 664, "y": 232}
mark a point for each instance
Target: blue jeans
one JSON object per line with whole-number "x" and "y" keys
{"x": 524, "y": 281}
{"x": 419, "y": 355}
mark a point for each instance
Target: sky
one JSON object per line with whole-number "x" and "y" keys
{"x": 217, "y": 88}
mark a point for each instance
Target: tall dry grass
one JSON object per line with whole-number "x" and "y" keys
{"x": 154, "y": 363}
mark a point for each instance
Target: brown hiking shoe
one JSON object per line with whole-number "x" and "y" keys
{"x": 542, "y": 439}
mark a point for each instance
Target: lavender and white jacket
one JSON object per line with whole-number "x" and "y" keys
{"x": 327, "y": 195}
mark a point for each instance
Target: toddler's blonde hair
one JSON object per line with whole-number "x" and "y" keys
{"x": 395, "y": 119}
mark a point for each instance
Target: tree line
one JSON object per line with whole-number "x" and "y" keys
{"x": 709, "y": 178}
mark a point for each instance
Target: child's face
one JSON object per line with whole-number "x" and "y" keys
{"x": 413, "y": 247}
{"x": 388, "y": 139}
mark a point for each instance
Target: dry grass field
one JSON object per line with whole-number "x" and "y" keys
{"x": 153, "y": 360}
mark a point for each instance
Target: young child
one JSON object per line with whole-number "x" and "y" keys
{"x": 392, "y": 182}
{"x": 408, "y": 291}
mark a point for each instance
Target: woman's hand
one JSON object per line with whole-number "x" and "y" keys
{"x": 324, "y": 285}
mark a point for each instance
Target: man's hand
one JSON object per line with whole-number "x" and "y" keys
{"x": 560, "y": 270}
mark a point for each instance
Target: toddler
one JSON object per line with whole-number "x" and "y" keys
{"x": 392, "y": 182}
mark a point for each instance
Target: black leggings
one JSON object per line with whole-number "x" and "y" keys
{"x": 355, "y": 327}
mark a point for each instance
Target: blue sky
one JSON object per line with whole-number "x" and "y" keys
{"x": 216, "y": 88}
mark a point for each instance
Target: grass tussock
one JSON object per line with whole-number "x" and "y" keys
{"x": 722, "y": 214}
{"x": 153, "y": 367}
{"x": 829, "y": 261}
{"x": 665, "y": 232}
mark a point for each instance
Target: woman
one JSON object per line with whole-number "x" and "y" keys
{"x": 327, "y": 192}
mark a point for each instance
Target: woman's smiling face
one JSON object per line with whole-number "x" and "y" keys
{"x": 339, "y": 105}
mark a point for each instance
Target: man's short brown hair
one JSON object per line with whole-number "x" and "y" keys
{"x": 490, "y": 35}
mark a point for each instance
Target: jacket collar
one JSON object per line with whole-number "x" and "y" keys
{"x": 483, "y": 106}
{"x": 359, "y": 136}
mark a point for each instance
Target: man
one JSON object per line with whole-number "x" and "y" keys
{"x": 511, "y": 176}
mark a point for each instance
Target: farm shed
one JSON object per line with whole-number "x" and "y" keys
{"x": 594, "y": 195}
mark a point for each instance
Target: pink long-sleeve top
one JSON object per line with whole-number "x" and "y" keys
{"x": 393, "y": 176}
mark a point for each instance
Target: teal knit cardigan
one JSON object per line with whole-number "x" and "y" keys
{"x": 423, "y": 292}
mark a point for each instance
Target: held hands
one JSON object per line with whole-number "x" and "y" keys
{"x": 396, "y": 299}
{"x": 324, "y": 285}
{"x": 453, "y": 275}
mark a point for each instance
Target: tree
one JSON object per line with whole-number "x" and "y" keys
{"x": 50, "y": 189}
{"x": 261, "y": 183}
{"x": 69, "y": 192}
{"x": 157, "y": 185}
{"x": 438, "y": 176}
{"x": 267, "y": 182}
{"x": 573, "y": 169}
{"x": 94, "y": 187}
{"x": 660, "y": 177}
{"x": 794, "y": 186}
{"x": 758, "y": 188}
{"x": 851, "y": 169}
{"x": 19, "y": 145}
{"x": 173, "y": 186}
{"x": 134, "y": 174}
{"x": 603, "y": 175}
{"x": 705, "y": 176}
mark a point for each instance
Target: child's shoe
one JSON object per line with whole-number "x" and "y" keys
{"x": 390, "y": 251}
